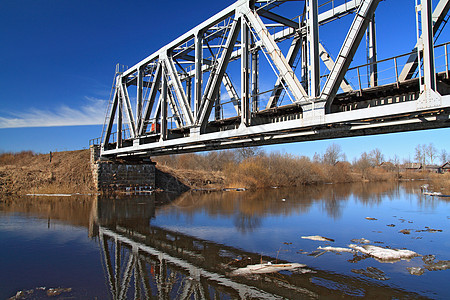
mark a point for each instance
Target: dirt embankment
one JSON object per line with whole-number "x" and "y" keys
{"x": 25, "y": 173}
{"x": 70, "y": 172}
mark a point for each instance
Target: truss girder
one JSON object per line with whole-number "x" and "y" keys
{"x": 277, "y": 18}
{"x": 177, "y": 116}
{"x": 351, "y": 43}
{"x": 151, "y": 100}
{"x": 234, "y": 97}
{"x": 175, "y": 83}
{"x": 112, "y": 114}
{"x": 216, "y": 76}
{"x": 329, "y": 63}
{"x": 284, "y": 69}
{"x": 439, "y": 14}
{"x": 291, "y": 55}
{"x": 129, "y": 112}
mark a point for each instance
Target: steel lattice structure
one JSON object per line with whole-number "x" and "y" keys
{"x": 178, "y": 87}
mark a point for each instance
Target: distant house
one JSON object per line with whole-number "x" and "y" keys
{"x": 444, "y": 168}
{"x": 432, "y": 168}
{"x": 388, "y": 166}
{"x": 415, "y": 167}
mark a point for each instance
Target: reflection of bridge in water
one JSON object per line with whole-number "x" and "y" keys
{"x": 147, "y": 261}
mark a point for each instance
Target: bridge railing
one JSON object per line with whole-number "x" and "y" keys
{"x": 95, "y": 141}
{"x": 388, "y": 70}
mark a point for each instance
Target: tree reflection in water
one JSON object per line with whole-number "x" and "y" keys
{"x": 143, "y": 260}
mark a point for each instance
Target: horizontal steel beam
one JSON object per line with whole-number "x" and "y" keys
{"x": 381, "y": 119}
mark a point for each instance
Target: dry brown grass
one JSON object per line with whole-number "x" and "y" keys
{"x": 28, "y": 173}
{"x": 440, "y": 183}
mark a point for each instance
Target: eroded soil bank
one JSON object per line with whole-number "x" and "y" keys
{"x": 70, "y": 172}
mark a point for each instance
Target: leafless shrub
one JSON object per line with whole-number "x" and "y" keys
{"x": 10, "y": 158}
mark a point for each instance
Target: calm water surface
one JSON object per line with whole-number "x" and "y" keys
{"x": 186, "y": 246}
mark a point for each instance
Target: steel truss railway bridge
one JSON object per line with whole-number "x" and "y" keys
{"x": 186, "y": 98}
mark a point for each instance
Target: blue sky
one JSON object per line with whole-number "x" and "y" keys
{"x": 58, "y": 59}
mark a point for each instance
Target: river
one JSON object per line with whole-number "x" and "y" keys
{"x": 190, "y": 245}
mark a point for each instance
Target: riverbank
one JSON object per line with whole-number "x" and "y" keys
{"x": 70, "y": 172}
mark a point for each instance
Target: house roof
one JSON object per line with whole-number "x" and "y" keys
{"x": 446, "y": 165}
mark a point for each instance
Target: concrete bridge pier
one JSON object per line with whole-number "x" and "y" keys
{"x": 121, "y": 175}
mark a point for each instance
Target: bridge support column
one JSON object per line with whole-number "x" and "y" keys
{"x": 372, "y": 53}
{"x": 121, "y": 176}
{"x": 313, "y": 48}
{"x": 428, "y": 45}
{"x": 429, "y": 96}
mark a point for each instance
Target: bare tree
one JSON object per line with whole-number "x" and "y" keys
{"x": 363, "y": 164}
{"x": 333, "y": 154}
{"x": 376, "y": 157}
{"x": 317, "y": 158}
{"x": 247, "y": 152}
{"x": 431, "y": 153}
{"x": 444, "y": 156}
{"x": 420, "y": 154}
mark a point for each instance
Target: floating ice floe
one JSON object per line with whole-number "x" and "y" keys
{"x": 428, "y": 229}
{"x": 384, "y": 254}
{"x": 317, "y": 238}
{"x": 361, "y": 241}
{"x": 336, "y": 249}
{"x": 438, "y": 266}
{"x": 265, "y": 269}
{"x": 416, "y": 271}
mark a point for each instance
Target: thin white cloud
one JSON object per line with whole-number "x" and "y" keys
{"x": 90, "y": 113}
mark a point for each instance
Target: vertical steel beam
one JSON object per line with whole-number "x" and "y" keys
{"x": 428, "y": 46}
{"x": 217, "y": 108}
{"x": 117, "y": 266}
{"x": 245, "y": 74}
{"x": 151, "y": 99}
{"x": 119, "y": 125}
{"x": 439, "y": 15}
{"x": 372, "y": 53}
{"x": 198, "y": 84}
{"x": 128, "y": 110}
{"x": 189, "y": 90}
{"x": 139, "y": 100}
{"x": 112, "y": 116}
{"x": 305, "y": 75}
{"x": 163, "y": 109}
{"x": 255, "y": 80}
{"x": 313, "y": 42}
{"x": 216, "y": 76}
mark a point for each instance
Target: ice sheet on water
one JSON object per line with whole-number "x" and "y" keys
{"x": 265, "y": 268}
{"x": 384, "y": 254}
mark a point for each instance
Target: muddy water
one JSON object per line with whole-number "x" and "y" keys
{"x": 191, "y": 245}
